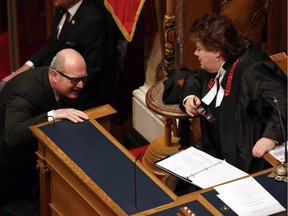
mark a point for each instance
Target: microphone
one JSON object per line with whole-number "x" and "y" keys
{"x": 209, "y": 117}
{"x": 282, "y": 127}
{"x": 280, "y": 172}
{"x": 135, "y": 180}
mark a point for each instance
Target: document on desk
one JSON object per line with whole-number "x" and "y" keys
{"x": 247, "y": 197}
{"x": 200, "y": 168}
{"x": 279, "y": 152}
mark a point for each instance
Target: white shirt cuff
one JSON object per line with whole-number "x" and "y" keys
{"x": 189, "y": 96}
{"x": 30, "y": 64}
{"x": 50, "y": 115}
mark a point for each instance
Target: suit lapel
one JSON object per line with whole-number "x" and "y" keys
{"x": 76, "y": 20}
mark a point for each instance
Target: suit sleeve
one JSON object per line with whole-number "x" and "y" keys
{"x": 271, "y": 85}
{"x": 18, "y": 118}
{"x": 93, "y": 42}
{"x": 192, "y": 86}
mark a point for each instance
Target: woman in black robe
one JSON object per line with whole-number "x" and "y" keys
{"x": 247, "y": 121}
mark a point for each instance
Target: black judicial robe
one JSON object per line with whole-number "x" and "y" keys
{"x": 248, "y": 112}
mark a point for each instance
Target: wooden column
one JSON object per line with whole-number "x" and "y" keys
{"x": 169, "y": 36}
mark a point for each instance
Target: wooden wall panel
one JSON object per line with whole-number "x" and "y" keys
{"x": 192, "y": 10}
{"x": 3, "y": 16}
{"x": 31, "y": 27}
{"x": 271, "y": 33}
{"x": 277, "y": 28}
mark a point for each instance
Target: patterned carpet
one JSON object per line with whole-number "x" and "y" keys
{"x": 4, "y": 55}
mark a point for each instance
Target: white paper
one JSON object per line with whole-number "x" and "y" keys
{"x": 188, "y": 162}
{"x": 279, "y": 153}
{"x": 219, "y": 174}
{"x": 200, "y": 168}
{"x": 247, "y": 197}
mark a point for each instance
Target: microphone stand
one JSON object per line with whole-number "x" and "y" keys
{"x": 135, "y": 180}
{"x": 280, "y": 171}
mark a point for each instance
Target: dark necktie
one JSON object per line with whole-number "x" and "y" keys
{"x": 61, "y": 102}
{"x": 66, "y": 22}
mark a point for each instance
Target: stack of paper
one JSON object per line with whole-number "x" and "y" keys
{"x": 248, "y": 197}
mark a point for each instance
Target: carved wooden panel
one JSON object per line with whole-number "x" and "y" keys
{"x": 31, "y": 25}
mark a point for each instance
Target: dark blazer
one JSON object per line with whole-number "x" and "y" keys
{"x": 24, "y": 101}
{"x": 89, "y": 33}
{"x": 248, "y": 112}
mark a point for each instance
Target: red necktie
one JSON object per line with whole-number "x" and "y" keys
{"x": 66, "y": 22}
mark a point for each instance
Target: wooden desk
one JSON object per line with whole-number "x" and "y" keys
{"x": 281, "y": 60}
{"x": 207, "y": 198}
{"x": 69, "y": 186}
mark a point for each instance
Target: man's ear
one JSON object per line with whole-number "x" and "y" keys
{"x": 54, "y": 76}
{"x": 53, "y": 73}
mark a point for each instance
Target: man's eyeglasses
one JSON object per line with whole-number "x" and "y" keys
{"x": 74, "y": 80}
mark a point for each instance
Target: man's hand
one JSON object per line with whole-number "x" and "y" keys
{"x": 263, "y": 146}
{"x": 71, "y": 114}
{"x": 14, "y": 73}
{"x": 9, "y": 77}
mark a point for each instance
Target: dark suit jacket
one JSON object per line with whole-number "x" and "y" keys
{"x": 24, "y": 101}
{"x": 249, "y": 112}
{"x": 93, "y": 34}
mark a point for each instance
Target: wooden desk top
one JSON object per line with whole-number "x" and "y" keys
{"x": 201, "y": 197}
{"x": 95, "y": 167}
{"x": 281, "y": 60}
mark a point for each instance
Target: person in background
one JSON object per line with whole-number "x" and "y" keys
{"x": 240, "y": 121}
{"x": 28, "y": 99}
{"x": 86, "y": 28}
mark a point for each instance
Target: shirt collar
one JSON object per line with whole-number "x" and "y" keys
{"x": 222, "y": 70}
{"x": 56, "y": 96}
{"x": 74, "y": 8}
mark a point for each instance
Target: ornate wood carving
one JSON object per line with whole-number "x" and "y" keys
{"x": 251, "y": 23}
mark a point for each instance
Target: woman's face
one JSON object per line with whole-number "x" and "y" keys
{"x": 210, "y": 61}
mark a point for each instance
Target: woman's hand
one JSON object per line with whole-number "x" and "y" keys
{"x": 263, "y": 146}
{"x": 191, "y": 105}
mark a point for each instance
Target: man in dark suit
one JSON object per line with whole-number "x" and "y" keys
{"x": 28, "y": 99}
{"x": 91, "y": 32}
